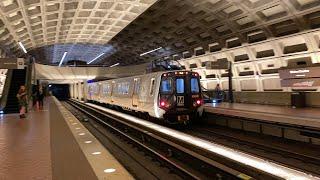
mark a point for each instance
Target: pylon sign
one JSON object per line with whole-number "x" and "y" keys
{"x": 11, "y": 63}
{"x": 219, "y": 64}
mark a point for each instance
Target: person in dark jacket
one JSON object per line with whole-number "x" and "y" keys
{"x": 218, "y": 93}
{"x": 40, "y": 97}
{"x": 34, "y": 96}
{"x": 23, "y": 101}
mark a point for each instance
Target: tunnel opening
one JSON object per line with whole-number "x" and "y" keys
{"x": 60, "y": 91}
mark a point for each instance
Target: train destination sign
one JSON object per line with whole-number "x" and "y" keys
{"x": 11, "y": 63}
{"x": 310, "y": 72}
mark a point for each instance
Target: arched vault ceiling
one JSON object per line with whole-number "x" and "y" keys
{"x": 176, "y": 25}
{"x": 183, "y": 25}
{"x": 38, "y": 23}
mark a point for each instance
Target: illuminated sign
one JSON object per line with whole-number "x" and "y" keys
{"x": 311, "y": 82}
{"x": 310, "y": 72}
{"x": 11, "y": 63}
{"x": 299, "y": 71}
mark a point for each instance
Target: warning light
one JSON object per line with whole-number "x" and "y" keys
{"x": 198, "y": 102}
{"x": 162, "y": 104}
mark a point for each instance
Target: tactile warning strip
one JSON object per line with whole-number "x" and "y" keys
{"x": 102, "y": 162}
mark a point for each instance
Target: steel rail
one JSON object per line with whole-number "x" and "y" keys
{"x": 206, "y": 161}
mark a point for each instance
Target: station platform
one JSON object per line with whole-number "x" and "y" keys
{"x": 53, "y": 144}
{"x": 302, "y": 117}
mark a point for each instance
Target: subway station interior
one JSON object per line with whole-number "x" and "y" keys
{"x": 159, "y": 89}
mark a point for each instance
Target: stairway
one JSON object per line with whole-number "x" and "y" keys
{"x": 18, "y": 79}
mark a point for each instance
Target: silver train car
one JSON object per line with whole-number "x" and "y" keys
{"x": 174, "y": 96}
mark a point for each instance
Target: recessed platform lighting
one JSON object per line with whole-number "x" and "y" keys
{"x": 96, "y": 153}
{"x": 64, "y": 56}
{"x": 88, "y": 142}
{"x": 78, "y": 128}
{"x": 110, "y": 170}
{"x": 115, "y": 65}
{"x": 81, "y": 134}
{"x": 96, "y": 58}
{"x": 22, "y": 47}
{"x": 148, "y": 52}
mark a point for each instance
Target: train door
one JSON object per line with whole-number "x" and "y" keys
{"x": 77, "y": 91}
{"x": 100, "y": 92}
{"x": 113, "y": 89}
{"x": 82, "y": 91}
{"x": 182, "y": 94}
{"x": 135, "y": 94}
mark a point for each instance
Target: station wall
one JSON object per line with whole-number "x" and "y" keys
{"x": 255, "y": 68}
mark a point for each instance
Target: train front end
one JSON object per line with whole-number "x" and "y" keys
{"x": 180, "y": 97}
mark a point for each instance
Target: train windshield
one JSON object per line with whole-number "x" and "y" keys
{"x": 180, "y": 85}
{"x": 194, "y": 85}
{"x": 166, "y": 85}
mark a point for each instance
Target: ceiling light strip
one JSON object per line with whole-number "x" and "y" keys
{"x": 22, "y": 47}
{"x": 63, "y": 57}
{"x": 115, "y": 65}
{"x": 96, "y": 58}
{"x": 145, "y": 53}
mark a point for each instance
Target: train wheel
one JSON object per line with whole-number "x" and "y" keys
{"x": 197, "y": 119}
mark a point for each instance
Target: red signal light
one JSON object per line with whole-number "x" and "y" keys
{"x": 198, "y": 102}
{"x": 162, "y": 103}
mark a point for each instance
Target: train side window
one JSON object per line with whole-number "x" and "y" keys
{"x": 98, "y": 89}
{"x": 180, "y": 85}
{"x": 152, "y": 86}
{"x": 105, "y": 89}
{"x": 119, "y": 91}
{"x": 194, "y": 85}
{"x": 109, "y": 89}
{"x": 125, "y": 88}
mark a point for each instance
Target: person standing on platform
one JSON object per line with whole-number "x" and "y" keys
{"x": 35, "y": 97}
{"x": 218, "y": 92}
{"x": 23, "y": 101}
{"x": 40, "y": 97}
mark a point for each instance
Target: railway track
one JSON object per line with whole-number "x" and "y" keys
{"x": 182, "y": 158}
{"x": 139, "y": 164}
{"x": 287, "y": 153}
{"x": 155, "y": 148}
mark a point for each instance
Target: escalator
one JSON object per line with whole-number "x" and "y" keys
{"x": 18, "y": 78}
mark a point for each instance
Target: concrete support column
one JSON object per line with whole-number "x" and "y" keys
{"x": 85, "y": 89}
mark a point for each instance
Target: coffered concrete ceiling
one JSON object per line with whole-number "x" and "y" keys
{"x": 42, "y": 23}
{"x": 87, "y": 29}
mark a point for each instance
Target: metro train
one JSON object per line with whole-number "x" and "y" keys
{"x": 173, "y": 96}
